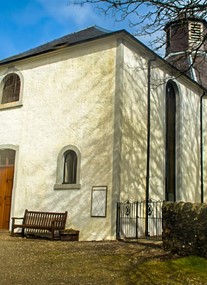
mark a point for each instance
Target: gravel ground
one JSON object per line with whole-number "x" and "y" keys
{"x": 37, "y": 261}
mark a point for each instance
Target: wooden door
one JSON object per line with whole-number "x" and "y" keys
{"x": 6, "y": 185}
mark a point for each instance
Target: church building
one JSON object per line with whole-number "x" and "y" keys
{"x": 96, "y": 118}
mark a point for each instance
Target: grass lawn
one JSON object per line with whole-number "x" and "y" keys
{"x": 187, "y": 270}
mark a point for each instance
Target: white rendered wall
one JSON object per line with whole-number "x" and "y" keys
{"x": 134, "y": 126}
{"x": 67, "y": 100}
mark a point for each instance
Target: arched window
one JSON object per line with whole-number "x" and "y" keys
{"x": 70, "y": 167}
{"x": 170, "y": 176}
{"x": 11, "y": 88}
{"x": 7, "y": 157}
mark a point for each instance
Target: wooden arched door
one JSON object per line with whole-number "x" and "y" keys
{"x": 7, "y": 158}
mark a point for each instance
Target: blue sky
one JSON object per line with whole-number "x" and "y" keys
{"x": 25, "y": 24}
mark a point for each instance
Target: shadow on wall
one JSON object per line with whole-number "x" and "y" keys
{"x": 89, "y": 93}
{"x": 134, "y": 140}
{"x": 94, "y": 124}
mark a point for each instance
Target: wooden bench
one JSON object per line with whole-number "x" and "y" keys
{"x": 40, "y": 222}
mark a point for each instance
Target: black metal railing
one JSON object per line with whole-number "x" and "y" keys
{"x": 132, "y": 220}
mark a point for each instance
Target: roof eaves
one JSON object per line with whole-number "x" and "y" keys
{"x": 55, "y": 47}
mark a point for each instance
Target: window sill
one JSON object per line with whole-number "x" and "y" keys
{"x": 10, "y": 105}
{"x": 67, "y": 186}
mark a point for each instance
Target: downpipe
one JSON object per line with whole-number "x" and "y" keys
{"x": 201, "y": 146}
{"x": 149, "y": 64}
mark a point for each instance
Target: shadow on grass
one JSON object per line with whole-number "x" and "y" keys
{"x": 164, "y": 271}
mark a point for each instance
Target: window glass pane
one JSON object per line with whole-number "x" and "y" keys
{"x": 11, "y": 88}
{"x": 70, "y": 167}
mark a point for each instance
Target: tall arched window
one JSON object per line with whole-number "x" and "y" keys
{"x": 170, "y": 177}
{"x": 11, "y": 88}
{"x": 70, "y": 167}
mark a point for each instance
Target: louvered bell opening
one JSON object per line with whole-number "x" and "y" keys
{"x": 11, "y": 89}
{"x": 196, "y": 34}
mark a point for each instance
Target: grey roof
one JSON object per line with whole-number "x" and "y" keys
{"x": 85, "y": 35}
{"x": 88, "y": 34}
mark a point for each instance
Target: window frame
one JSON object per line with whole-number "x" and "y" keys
{"x": 60, "y": 184}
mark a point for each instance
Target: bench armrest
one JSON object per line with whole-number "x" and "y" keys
{"x": 16, "y": 218}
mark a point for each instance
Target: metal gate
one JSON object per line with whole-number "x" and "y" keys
{"x": 134, "y": 221}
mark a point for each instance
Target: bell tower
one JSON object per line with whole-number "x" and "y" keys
{"x": 186, "y": 46}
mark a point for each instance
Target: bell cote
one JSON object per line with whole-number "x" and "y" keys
{"x": 185, "y": 34}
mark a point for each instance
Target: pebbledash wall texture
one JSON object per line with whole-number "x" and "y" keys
{"x": 67, "y": 101}
{"x": 85, "y": 103}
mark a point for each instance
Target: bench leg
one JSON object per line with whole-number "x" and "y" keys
{"x": 52, "y": 235}
{"x": 12, "y": 231}
{"x": 12, "y": 228}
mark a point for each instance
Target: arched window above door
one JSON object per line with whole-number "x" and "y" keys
{"x": 7, "y": 157}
